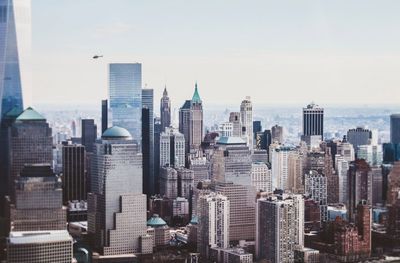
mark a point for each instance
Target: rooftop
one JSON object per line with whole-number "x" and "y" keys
{"x": 33, "y": 237}
{"x": 231, "y": 140}
{"x": 156, "y": 221}
{"x": 116, "y": 132}
{"x": 30, "y": 115}
{"x": 196, "y": 96}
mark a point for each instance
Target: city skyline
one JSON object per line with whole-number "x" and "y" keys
{"x": 323, "y": 49}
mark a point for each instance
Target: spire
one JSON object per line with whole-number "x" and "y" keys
{"x": 196, "y": 96}
{"x": 165, "y": 93}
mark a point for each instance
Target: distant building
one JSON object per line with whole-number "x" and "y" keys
{"x": 201, "y": 169}
{"x": 342, "y": 167}
{"x": 184, "y": 123}
{"x": 346, "y": 150}
{"x": 235, "y": 119}
{"x": 280, "y": 167}
{"x": 157, "y": 134}
{"x": 395, "y": 128}
{"x": 213, "y": 224}
{"x": 168, "y": 182}
{"x": 148, "y": 137}
{"x": 256, "y": 128}
{"x": 104, "y": 115}
{"x": 40, "y": 247}
{"x": 373, "y": 154}
{"x": 231, "y": 255}
{"x": 313, "y": 121}
{"x": 277, "y": 134}
{"x": 359, "y": 136}
{"x": 172, "y": 148}
{"x": 89, "y": 134}
{"x": 261, "y": 177}
{"x": 359, "y": 185}
{"x": 280, "y": 227}
{"x": 165, "y": 110}
{"x": 246, "y": 115}
{"x": 196, "y": 126}
{"x": 225, "y": 129}
{"x": 185, "y": 182}
{"x": 315, "y": 185}
{"x": 125, "y": 97}
{"x": 306, "y": 255}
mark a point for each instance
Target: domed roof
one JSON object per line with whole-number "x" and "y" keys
{"x": 194, "y": 220}
{"x": 116, "y": 132}
{"x": 156, "y": 221}
{"x": 30, "y": 115}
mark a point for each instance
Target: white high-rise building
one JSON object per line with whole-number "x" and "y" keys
{"x": 279, "y": 227}
{"x": 261, "y": 177}
{"x": 116, "y": 206}
{"x": 234, "y": 118}
{"x": 315, "y": 186}
{"x": 280, "y": 167}
{"x": 373, "y": 154}
{"x": 246, "y": 115}
{"x": 172, "y": 148}
{"x": 213, "y": 225}
{"x": 15, "y": 55}
{"x": 342, "y": 167}
{"x": 346, "y": 150}
{"x": 225, "y": 129}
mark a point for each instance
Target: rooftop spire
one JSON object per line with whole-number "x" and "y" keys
{"x": 196, "y": 96}
{"x": 165, "y": 93}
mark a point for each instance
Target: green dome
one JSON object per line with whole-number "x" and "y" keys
{"x": 156, "y": 221}
{"x": 116, "y": 132}
{"x": 194, "y": 220}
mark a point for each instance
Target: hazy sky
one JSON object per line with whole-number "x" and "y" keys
{"x": 277, "y": 52}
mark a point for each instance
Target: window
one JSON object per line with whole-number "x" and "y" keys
{"x": 3, "y": 14}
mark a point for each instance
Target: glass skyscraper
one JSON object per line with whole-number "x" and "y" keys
{"x": 15, "y": 45}
{"x": 125, "y": 92}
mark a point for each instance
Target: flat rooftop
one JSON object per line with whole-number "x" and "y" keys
{"x": 34, "y": 237}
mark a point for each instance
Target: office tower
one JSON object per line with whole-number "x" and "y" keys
{"x": 315, "y": 187}
{"x": 359, "y": 136}
{"x": 37, "y": 203}
{"x": 313, "y": 121}
{"x": 168, "y": 182}
{"x": 125, "y": 97}
{"x": 160, "y": 230}
{"x": 172, "y": 148}
{"x": 235, "y": 119}
{"x": 391, "y": 152}
{"x": 280, "y": 227}
{"x": 74, "y": 172}
{"x": 40, "y": 247}
{"x": 104, "y": 115}
{"x": 201, "y": 169}
{"x": 241, "y": 210}
{"x": 148, "y": 138}
{"x": 15, "y": 49}
{"x": 225, "y": 129}
{"x": 359, "y": 185}
{"x": 346, "y": 150}
{"x": 157, "y": 134}
{"x": 180, "y": 211}
{"x": 30, "y": 142}
{"x": 231, "y": 161}
{"x": 393, "y": 183}
{"x": 185, "y": 182}
{"x": 73, "y": 128}
{"x": 395, "y": 128}
{"x": 196, "y": 121}
{"x": 116, "y": 205}
{"x": 89, "y": 134}
{"x": 165, "y": 110}
{"x": 263, "y": 140}
{"x": 261, "y": 178}
{"x": 342, "y": 167}
{"x": 377, "y": 185}
{"x": 256, "y": 128}
{"x": 277, "y": 134}
{"x": 246, "y": 118}
{"x": 184, "y": 123}
{"x": 213, "y": 223}
{"x": 280, "y": 167}
{"x": 296, "y": 172}
{"x": 373, "y": 154}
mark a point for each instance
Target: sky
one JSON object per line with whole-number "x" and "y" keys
{"x": 277, "y": 52}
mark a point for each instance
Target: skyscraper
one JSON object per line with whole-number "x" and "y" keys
{"x": 315, "y": 185}
{"x": 184, "y": 123}
{"x": 395, "y": 128}
{"x": 256, "y": 128}
{"x": 246, "y": 114}
{"x": 213, "y": 226}
{"x": 196, "y": 121}
{"x": 157, "y": 134}
{"x": 116, "y": 206}
{"x": 125, "y": 91}
{"x": 277, "y": 134}
{"x": 280, "y": 227}
{"x": 234, "y": 118}
{"x": 104, "y": 115}
{"x": 359, "y": 136}
{"x": 165, "y": 110}
{"x": 15, "y": 47}
{"x": 172, "y": 148}
{"x": 313, "y": 121}
{"x": 74, "y": 172}
{"x": 30, "y": 142}
{"x": 89, "y": 134}
{"x": 37, "y": 201}
{"x": 148, "y": 123}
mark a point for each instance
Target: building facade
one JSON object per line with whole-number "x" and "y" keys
{"x": 246, "y": 118}
{"x": 165, "y": 110}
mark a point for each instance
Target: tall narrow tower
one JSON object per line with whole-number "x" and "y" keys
{"x": 165, "y": 110}
{"x": 15, "y": 47}
{"x": 246, "y": 115}
{"x": 196, "y": 120}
